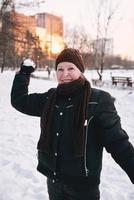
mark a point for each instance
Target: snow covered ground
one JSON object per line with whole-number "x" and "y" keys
{"x": 19, "y": 134}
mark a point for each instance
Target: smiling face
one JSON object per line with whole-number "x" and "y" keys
{"x": 67, "y": 72}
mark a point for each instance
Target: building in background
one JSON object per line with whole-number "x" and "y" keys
{"x": 50, "y": 31}
{"x": 42, "y": 32}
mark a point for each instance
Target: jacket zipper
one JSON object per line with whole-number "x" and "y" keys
{"x": 85, "y": 150}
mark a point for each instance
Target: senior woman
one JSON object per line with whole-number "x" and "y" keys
{"x": 76, "y": 122}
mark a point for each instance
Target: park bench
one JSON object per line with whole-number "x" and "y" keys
{"x": 124, "y": 80}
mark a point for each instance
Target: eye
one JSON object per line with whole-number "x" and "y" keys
{"x": 59, "y": 69}
{"x": 71, "y": 68}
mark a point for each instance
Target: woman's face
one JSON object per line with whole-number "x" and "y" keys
{"x": 67, "y": 72}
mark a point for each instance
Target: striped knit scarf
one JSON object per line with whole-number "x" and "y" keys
{"x": 80, "y": 112}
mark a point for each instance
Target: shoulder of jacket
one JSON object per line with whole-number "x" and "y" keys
{"x": 43, "y": 97}
{"x": 95, "y": 94}
{"x": 49, "y": 92}
{"x": 98, "y": 95}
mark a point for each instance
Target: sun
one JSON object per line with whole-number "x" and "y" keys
{"x": 56, "y": 48}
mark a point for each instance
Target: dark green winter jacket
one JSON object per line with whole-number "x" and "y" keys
{"x": 103, "y": 130}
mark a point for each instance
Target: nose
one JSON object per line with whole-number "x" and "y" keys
{"x": 65, "y": 73}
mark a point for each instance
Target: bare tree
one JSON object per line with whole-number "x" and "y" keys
{"x": 4, "y": 5}
{"x": 32, "y": 42}
{"x": 105, "y": 15}
{"x": 77, "y": 37}
{"x": 32, "y": 4}
{"x": 6, "y": 35}
{"x": 7, "y": 5}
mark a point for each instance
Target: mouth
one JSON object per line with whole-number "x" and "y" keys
{"x": 66, "y": 80}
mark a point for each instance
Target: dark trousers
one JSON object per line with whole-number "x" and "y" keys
{"x": 60, "y": 191}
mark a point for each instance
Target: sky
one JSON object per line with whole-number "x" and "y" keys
{"x": 83, "y": 13}
{"x": 78, "y": 12}
{"x": 19, "y": 133}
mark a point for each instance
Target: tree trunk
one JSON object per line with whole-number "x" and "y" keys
{"x": 99, "y": 74}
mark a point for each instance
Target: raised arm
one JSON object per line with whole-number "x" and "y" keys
{"x": 31, "y": 104}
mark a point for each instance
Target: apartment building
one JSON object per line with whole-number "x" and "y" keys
{"x": 43, "y": 31}
{"x": 50, "y": 31}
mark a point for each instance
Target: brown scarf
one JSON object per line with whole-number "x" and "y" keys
{"x": 80, "y": 113}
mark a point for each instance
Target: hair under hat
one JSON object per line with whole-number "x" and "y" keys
{"x": 71, "y": 55}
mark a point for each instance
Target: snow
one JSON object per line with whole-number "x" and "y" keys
{"x": 19, "y": 134}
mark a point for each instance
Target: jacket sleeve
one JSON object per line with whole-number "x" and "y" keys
{"x": 112, "y": 136}
{"x": 31, "y": 104}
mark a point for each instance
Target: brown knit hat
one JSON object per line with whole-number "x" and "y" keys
{"x": 71, "y": 55}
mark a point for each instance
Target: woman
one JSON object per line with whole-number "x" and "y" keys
{"x": 77, "y": 121}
